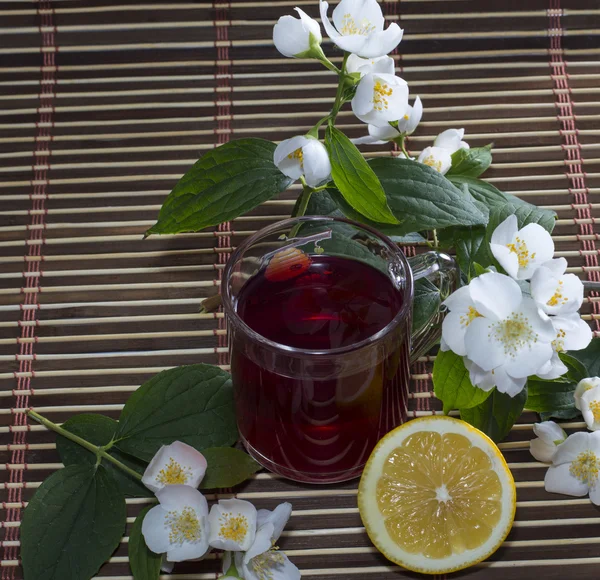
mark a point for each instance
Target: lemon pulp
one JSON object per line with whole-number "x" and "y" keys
{"x": 436, "y": 495}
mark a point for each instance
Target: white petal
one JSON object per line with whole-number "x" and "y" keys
{"x": 505, "y": 232}
{"x": 367, "y": 140}
{"x": 362, "y": 103}
{"x": 329, "y": 28}
{"x": 280, "y": 568}
{"x": 436, "y": 158}
{"x": 583, "y": 386}
{"x": 542, "y": 325}
{"x": 380, "y": 65}
{"x": 352, "y": 43}
{"x": 177, "y": 461}
{"x": 460, "y": 300}
{"x": 595, "y": 494}
{"x": 549, "y": 432}
{"x": 542, "y": 451}
{"x": 278, "y": 517}
{"x": 414, "y": 115}
{"x": 290, "y": 36}
{"x": 396, "y": 101}
{"x": 262, "y": 542}
{"x": 575, "y": 444}
{"x": 482, "y": 348}
{"x": 383, "y": 133}
{"x": 221, "y": 516}
{"x": 176, "y": 497}
{"x": 154, "y": 530}
{"x": 363, "y": 12}
{"x": 557, "y": 266}
{"x": 310, "y": 25}
{"x": 506, "y": 383}
{"x": 540, "y": 246}
{"x": 495, "y": 296}
{"x": 555, "y": 293}
{"x": 380, "y": 43}
{"x": 553, "y": 369}
{"x": 317, "y": 167}
{"x": 574, "y": 332}
{"x": 592, "y": 396}
{"x": 449, "y": 139}
{"x": 559, "y": 480}
{"x": 485, "y": 380}
{"x": 507, "y": 259}
{"x": 188, "y": 550}
{"x": 284, "y": 159}
{"x": 453, "y": 331}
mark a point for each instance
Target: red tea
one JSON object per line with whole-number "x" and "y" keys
{"x": 314, "y": 417}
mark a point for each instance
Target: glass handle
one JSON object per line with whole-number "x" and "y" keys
{"x": 442, "y": 271}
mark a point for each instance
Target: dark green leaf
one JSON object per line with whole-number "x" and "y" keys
{"x": 227, "y": 467}
{"x": 321, "y": 203}
{"x": 223, "y": 184}
{"x": 452, "y": 384}
{"x": 497, "y": 414}
{"x": 526, "y": 214}
{"x": 471, "y": 162}
{"x": 144, "y": 563}
{"x": 100, "y": 430}
{"x": 545, "y": 396}
{"x": 72, "y": 525}
{"x": 563, "y": 415}
{"x": 470, "y": 246}
{"x": 589, "y": 357}
{"x": 422, "y": 199}
{"x": 577, "y": 370}
{"x": 483, "y": 191}
{"x": 193, "y": 404}
{"x": 426, "y": 303}
{"x": 355, "y": 179}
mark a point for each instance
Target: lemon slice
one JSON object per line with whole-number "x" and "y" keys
{"x": 436, "y": 496}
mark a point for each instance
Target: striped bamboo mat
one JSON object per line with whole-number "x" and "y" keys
{"x": 104, "y": 105}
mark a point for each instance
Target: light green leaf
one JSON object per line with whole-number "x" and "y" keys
{"x": 497, "y": 414}
{"x": 471, "y": 162}
{"x": 452, "y": 384}
{"x": 100, "y": 430}
{"x": 589, "y": 357}
{"x": 426, "y": 302}
{"x": 526, "y": 214}
{"x": 355, "y": 179}
{"x": 227, "y": 467}
{"x": 193, "y": 404}
{"x": 72, "y": 525}
{"x": 223, "y": 184}
{"x": 144, "y": 563}
{"x": 422, "y": 199}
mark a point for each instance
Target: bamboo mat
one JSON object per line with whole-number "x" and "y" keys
{"x": 104, "y": 105}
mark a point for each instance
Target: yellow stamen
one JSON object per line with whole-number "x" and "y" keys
{"x": 595, "y": 409}
{"x": 471, "y": 315}
{"x": 173, "y": 473}
{"x": 520, "y": 248}
{"x": 380, "y": 92}
{"x": 263, "y": 563}
{"x": 514, "y": 333}
{"x": 350, "y": 27}
{"x": 558, "y": 344}
{"x": 406, "y": 117}
{"x": 233, "y": 528}
{"x": 585, "y": 467}
{"x": 298, "y": 155}
{"x": 433, "y": 162}
{"x": 185, "y": 526}
{"x": 557, "y": 297}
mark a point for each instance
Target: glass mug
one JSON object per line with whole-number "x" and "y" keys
{"x": 319, "y": 314}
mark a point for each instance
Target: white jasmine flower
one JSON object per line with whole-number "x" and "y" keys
{"x": 380, "y": 98}
{"x": 485, "y": 380}
{"x": 263, "y": 560}
{"x": 572, "y": 333}
{"x": 178, "y": 526}
{"x": 294, "y": 37}
{"x": 232, "y": 525}
{"x": 590, "y": 408}
{"x": 549, "y": 436}
{"x": 461, "y": 312}
{"x": 451, "y": 140}
{"x": 303, "y": 155}
{"x": 521, "y": 251}
{"x": 582, "y": 386}
{"x": 406, "y": 126}
{"x": 554, "y": 291}
{"x": 177, "y": 463}
{"x": 358, "y": 27}
{"x": 437, "y": 158}
{"x": 363, "y": 66}
{"x": 575, "y": 467}
{"x": 509, "y": 338}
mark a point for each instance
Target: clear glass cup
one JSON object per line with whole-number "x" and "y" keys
{"x": 309, "y": 413}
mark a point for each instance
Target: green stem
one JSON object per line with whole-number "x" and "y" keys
{"x": 339, "y": 101}
{"x": 304, "y": 199}
{"x": 436, "y": 243}
{"x": 315, "y": 130}
{"x": 98, "y": 451}
{"x": 403, "y": 146}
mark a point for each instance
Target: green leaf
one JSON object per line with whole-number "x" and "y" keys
{"x": 422, "y": 199}
{"x": 471, "y": 162}
{"x": 322, "y": 203}
{"x": 563, "y": 415}
{"x": 470, "y": 246}
{"x": 549, "y": 396}
{"x": 144, "y": 563}
{"x": 193, "y": 404}
{"x": 483, "y": 192}
{"x": 227, "y": 467}
{"x": 452, "y": 384}
{"x": 426, "y": 302}
{"x": 497, "y": 414}
{"x": 223, "y": 184}
{"x": 526, "y": 214}
{"x": 589, "y": 357}
{"x": 100, "y": 430}
{"x": 355, "y": 179}
{"x": 72, "y": 525}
